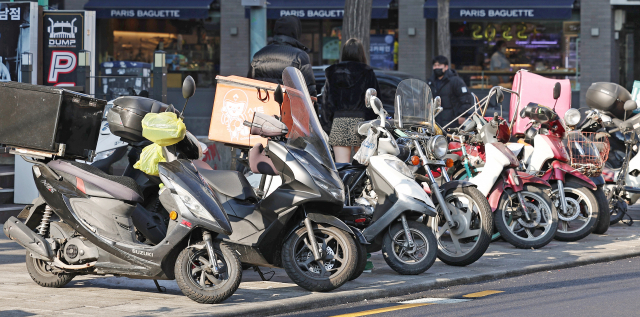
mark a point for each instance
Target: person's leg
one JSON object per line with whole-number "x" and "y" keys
{"x": 342, "y": 154}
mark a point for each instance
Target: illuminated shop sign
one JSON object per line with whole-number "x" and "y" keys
{"x": 151, "y": 13}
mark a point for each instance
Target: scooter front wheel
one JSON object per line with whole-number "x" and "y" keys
{"x": 202, "y": 283}
{"x": 336, "y": 266}
{"x": 536, "y": 232}
{"x": 581, "y": 215}
{"x": 404, "y": 258}
{"x": 467, "y": 242}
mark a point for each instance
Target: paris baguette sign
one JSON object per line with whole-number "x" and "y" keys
{"x": 460, "y": 13}
{"x": 63, "y": 40}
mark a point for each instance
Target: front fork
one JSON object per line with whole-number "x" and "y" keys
{"x": 213, "y": 263}
{"x": 563, "y": 201}
{"x": 317, "y": 253}
{"x": 435, "y": 190}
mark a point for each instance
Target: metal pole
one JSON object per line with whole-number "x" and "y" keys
{"x": 26, "y": 67}
{"x": 160, "y": 77}
{"x": 258, "y": 28}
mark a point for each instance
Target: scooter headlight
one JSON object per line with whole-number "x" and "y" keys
{"x": 400, "y": 167}
{"x": 336, "y": 191}
{"x": 572, "y": 117}
{"x": 193, "y": 205}
{"x": 437, "y": 146}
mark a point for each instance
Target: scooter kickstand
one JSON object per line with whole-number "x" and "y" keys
{"x": 161, "y": 289}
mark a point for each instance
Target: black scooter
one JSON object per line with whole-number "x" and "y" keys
{"x": 295, "y": 226}
{"x": 82, "y": 224}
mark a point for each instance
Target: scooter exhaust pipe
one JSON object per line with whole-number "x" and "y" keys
{"x": 14, "y": 229}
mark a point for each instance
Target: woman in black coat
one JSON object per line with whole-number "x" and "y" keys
{"x": 343, "y": 104}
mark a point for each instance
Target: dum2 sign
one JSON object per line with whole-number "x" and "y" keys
{"x": 63, "y": 40}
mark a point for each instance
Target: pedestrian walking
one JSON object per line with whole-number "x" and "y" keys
{"x": 343, "y": 104}
{"x": 446, "y": 84}
{"x": 283, "y": 51}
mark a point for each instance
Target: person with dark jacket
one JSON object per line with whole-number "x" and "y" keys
{"x": 446, "y": 83}
{"x": 283, "y": 51}
{"x": 343, "y": 104}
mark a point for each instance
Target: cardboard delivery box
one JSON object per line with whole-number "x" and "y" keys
{"x": 237, "y": 99}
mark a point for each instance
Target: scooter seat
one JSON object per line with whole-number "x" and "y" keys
{"x": 228, "y": 183}
{"x": 87, "y": 176}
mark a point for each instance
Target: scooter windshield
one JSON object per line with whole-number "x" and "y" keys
{"x": 305, "y": 132}
{"x": 413, "y": 104}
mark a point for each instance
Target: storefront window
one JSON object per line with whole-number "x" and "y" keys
{"x": 192, "y": 47}
{"x": 537, "y": 46}
{"x": 324, "y": 38}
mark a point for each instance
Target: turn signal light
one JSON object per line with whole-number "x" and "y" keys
{"x": 360, "y": 220}
{"x": 173, "y": 215}
{"x": 415, "y": 160}
{"x": 449, "y": 163}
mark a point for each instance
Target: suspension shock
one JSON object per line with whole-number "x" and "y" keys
{"x": 44, "y": 223}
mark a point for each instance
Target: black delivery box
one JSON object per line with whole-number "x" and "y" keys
{"x": 49, "y": 119}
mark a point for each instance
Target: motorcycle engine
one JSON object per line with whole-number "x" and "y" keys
{"x": 80, "y": 250}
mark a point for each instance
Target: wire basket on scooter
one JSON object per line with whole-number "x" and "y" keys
{"x": 588, "y": 151}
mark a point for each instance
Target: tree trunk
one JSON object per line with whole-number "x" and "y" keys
{"x": 357, "y": 22}
{"x": 444, "y": 38}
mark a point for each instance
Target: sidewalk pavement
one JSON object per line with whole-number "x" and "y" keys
{"x": 118, "y": 296}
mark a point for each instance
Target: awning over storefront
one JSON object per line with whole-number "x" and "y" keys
{"x": 503, "y": 9}
{"x": 149, "y": 9}
{"x": 324, "y": 9}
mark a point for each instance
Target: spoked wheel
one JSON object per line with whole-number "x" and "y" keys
{"x": 513, "y": 226}
{"x": 405, "y": 258}
{"x": 581, "y": 215}
{"x": 206, "y": 283}
{"x": 468, "y": 241}
{"x": 617, "y": 205}
{"x": 337, "y": 265}
{"x": 45, "y": 275}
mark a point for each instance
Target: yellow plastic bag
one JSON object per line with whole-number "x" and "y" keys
{"x": 149, "y": 158}
{"x": 163, "y": 128}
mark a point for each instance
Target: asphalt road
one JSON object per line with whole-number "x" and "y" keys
{"x": 605, "y": 289}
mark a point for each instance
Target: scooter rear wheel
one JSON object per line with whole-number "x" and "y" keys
{"x": 362, "y": 261}
{"x": 604, "y": 216}
{"x": 41, "y": 273}
{"x": 198, "y": 282}
{"x": 521, "y": 234}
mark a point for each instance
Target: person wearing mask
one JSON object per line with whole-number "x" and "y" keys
{"x": 343, "y": 104}
{"x": 451, "y": 89}
{"x": 283, "y": 51}
{"x": 499, "y": 61}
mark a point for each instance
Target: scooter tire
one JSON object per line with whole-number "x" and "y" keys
{"x": 362, "y": 261}
{"x": 39, "y": 274}
{"x": 486, "y": 229}
{"x": 304, "y": 278}
{"x": 187, "y": 284}
{"x": 516, "y": 240}
{"x": 604, "y": 216}
{"x": 593, "y": 219}
{"x": 390, "y": 256}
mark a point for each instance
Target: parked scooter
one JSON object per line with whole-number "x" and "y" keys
{"x": 572, "y": 192}
{"x": 525, "y": 215}
{"x": 464, "y": 222}
{"x": 610, "y": 114}
{"x": 383, "y": 185}
{"x": 293, "y": 227}
{"x": 82, "y": 224}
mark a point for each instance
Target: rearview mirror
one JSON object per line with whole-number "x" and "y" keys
{"x": 556, "y": 91}
{"x": 278, "y": 95}
{"x": 630, "y": 105}
{"x": 499, "y": 96}
{"x": 188, "y": 87}
{"x": 367, "y": 96}
{"x": 437, "y": 104}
